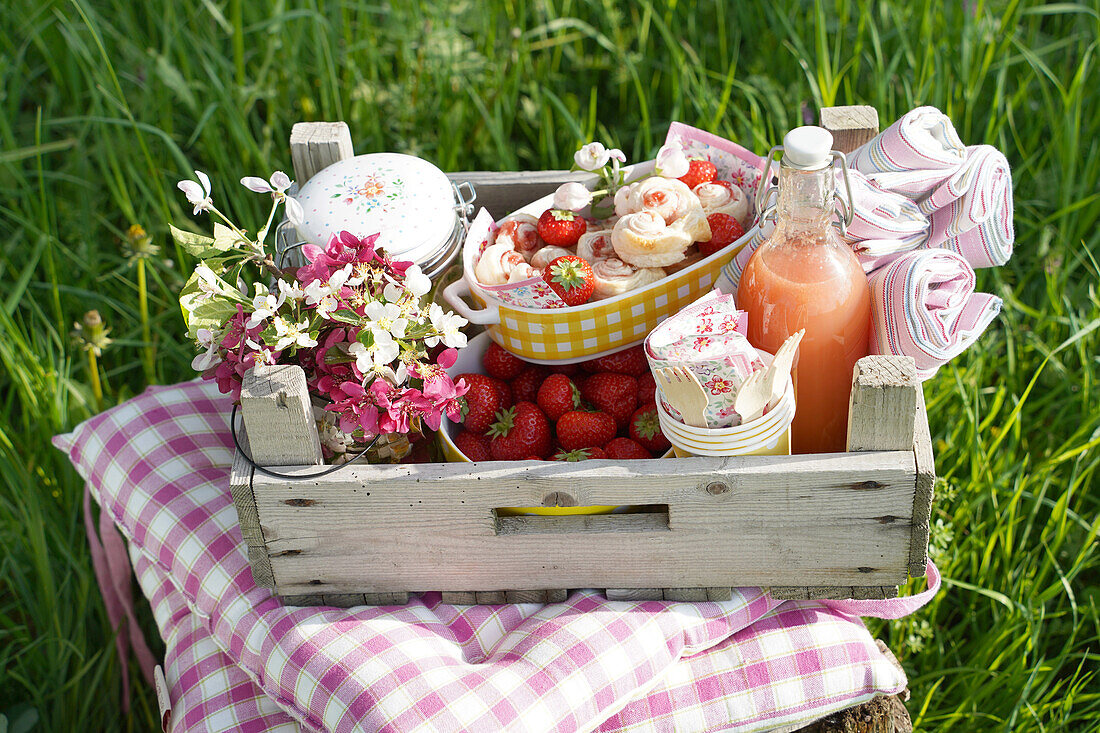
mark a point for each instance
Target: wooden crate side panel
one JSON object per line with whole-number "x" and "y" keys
{"x": 841, "y": 519}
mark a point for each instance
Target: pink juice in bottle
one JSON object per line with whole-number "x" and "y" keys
{"x": 805, "y": 277}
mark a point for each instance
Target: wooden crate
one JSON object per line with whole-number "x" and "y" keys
{"x": 845, "y": 525}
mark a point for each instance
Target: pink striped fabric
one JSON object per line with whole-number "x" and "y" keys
{"x": 924, "y": 305}
{"x": 916, "y": 188}
{"x": 158, "y": 465}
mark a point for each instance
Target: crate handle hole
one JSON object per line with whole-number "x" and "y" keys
{"x": 639, "y": 518}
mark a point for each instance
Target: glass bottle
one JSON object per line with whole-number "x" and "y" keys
{"x": 803, "y": 276}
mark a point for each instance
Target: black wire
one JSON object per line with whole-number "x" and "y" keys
{"x": 275, "y": 474}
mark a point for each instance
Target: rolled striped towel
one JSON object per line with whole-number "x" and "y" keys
{"x": 923, "y": 305}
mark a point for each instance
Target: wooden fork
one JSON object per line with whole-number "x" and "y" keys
{"x": 683, "y": 391}
{"x": 752, "y": 396}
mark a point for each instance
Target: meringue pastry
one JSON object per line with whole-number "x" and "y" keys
{"x": 548, "y": 254}
{"x": 595, "y": 246}
{"x": 496, "y": 264}
{"x": 718, "y": 199}
{"x": 643, "y": 239}
{"x": 521, "y": 232}
{"x": 615, "y": 277}
{"x": 522, "y": 272}
{"x": 669, "y": 197}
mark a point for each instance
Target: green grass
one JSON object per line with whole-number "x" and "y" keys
{"x": 104, "y": 105}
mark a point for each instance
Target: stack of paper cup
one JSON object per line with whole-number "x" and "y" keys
{"x": 769, "y": 435}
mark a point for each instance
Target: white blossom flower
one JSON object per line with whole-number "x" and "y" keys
{"x": 385, "y": 318}
{"x": 572, "y": 196}
{"x": 207, "y": 339}
{"x": 416, "y": 281}
{"x": 616, "y": 154}
{"x": 278, "y": 185}
{"x": 198, "y": 194}
{"x": 671, "y": 161}
{"x": 378, "y": 356}
{"x": 393, "y": 292}
{"x": 260, "y": 355}
{"x": 291, "y": 291}
{"x": 591, "y": 157}
{"x": 290, "y": 333}
{"x": 264, "y": 305}
{"x": 208, "y": 280}
{"x": 294, "y": 211}
{"x": 326, "y": 296}
{"x": 448, "y": 327}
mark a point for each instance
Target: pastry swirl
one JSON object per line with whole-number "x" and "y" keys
{"x": 521, "y": 232}
{"x": 643, "y": 239}
{"x": 718, "y": 199}
{"x": 548, "y": 254}
{"x": 615, "y": 277}
{"x": 496, "y": 264}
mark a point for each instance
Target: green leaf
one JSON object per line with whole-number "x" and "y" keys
{"x": 203, "y": 309}
{"x": 197, "y": 245}
{"x": 226, "y": 239}
{"x": 343, "y": 315}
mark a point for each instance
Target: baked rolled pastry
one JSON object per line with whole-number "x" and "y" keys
{"x": 496, "y": 264}
{"x": 521, "y": 232}
{"x": 718, "y": 199}
{"x": 595, "y": 246}
{"x": 548, "y": 254}
{"x": 669, "y": 197}
{"x": 643, "y": 239}
{"x": 615, "y": 277}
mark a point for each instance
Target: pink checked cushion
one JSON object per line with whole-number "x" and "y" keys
{"x": 159, "y": 465}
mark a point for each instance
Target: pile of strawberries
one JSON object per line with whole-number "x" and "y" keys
{"x": 602, "y": 408}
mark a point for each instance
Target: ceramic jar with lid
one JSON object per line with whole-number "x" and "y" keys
{"x": 413, "y": 206}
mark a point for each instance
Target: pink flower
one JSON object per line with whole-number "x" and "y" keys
{"x": 343, "y": 249}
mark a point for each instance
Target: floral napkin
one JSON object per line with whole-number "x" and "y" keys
{"x": 707, "y": 337}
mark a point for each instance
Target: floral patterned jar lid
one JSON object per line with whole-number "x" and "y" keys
{"x": 405, "y": 199}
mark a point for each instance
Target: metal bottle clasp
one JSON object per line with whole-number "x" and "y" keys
{"x": 767, "y": 191}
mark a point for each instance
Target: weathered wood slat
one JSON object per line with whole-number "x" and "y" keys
{"x": 278, "y": 416}
{"x": 316, "y": 145}
{"x": 851, "y": 126}
{"x": 502, "y": 192}
{"x": 922, "y": 498}
{"x": 882, "y": 404}
{"x": 635, "y": 594}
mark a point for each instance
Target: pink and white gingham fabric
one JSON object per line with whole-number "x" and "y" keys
{"x": 920, "y": 194}
{"x": 158, "y": 465}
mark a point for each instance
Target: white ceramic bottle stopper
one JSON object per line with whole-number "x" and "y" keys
{"x": 807, "y": 148}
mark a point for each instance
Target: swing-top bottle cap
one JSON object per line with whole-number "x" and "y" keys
{"x": 807, "y": 147}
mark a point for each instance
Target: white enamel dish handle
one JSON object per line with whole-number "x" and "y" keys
{"x": 488, "y": 316}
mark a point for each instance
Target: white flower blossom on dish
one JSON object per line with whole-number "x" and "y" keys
{"x": 292, "y": 334}
{"x": 671, "y": 161}
{"x": 377, "y": 356}
{"x": 385, "y": 318}
{"x": 448, "y": 326}
{"x": 572, "y": 196}
{"x": 198, "y": 193}
{"x": 591, "y": 157}
{"x": 206, "y": 338}
{"x": 264, "y": 305}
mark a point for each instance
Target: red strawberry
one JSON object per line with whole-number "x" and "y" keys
{"x": 558, "y": 395}
{"x": 519, "y": 432}
{"x": 724, "y": 231}
{"x": 628, "y": 361}
{"x": 525, "y": 387}
{"x": 507, "y": 399}
{"x": 571, "y": 278}
{"x": 474, "y": 446}
{"x": 561, "y": 227}
{"x": 699, "y": 171}
{"x": 615, "y": 394}
{"x": 578, "y": 429}
{"x": 645, "y": 429}
{"x": 581, "y": 454}
{"x": 647, "y": 390}
{"x": 484, "y": 400}
{"x": 532, "y": 458}
{"x": 566, "y": 369}
{"x": 625, "y": 448}
{"x": 502, "y": 364}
